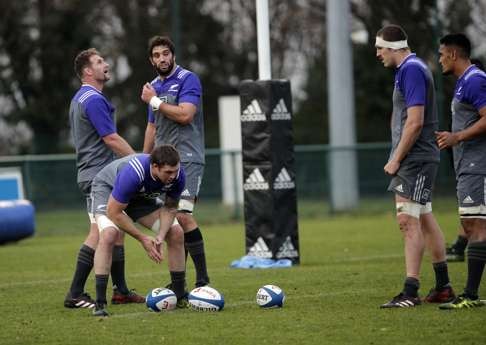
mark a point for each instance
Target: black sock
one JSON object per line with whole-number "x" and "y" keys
{"x": 460, "y": 244}
{"x": 441, "y": 275}
{"x": 118, "y": 269}
{"x": 476, "y": 258}
{"x": 84, "y": 265}
{"x": 101, "y": 284}
{"x": 411, "y": 286}
{"x": 194, "y": 244}
{"x": 178, "y": 283}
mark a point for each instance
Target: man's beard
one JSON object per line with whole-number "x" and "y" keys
{"x": 449, "y": 72}
{"x": 165, "y": 72}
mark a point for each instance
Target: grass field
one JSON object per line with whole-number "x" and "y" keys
{"x": 350, "y": 265}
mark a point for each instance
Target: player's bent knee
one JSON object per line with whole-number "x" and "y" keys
{"x": 175, "y": 236}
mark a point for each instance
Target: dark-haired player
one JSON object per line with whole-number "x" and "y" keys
{"x": 175, "y": 117}
{"x": 127, "y": 191}
{"x": 468, "y": 141}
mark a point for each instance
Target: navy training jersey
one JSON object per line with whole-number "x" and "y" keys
{"x": 91, "y": 117}
{"x": 469, "y": 98}
{"x": 130, "y": 177}
{"x": 414, "y": 86}
{"x": 182, "y": 86}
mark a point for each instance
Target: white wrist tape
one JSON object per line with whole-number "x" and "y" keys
{"x": 381, "y": 43}
{"x": 155, "y": 103}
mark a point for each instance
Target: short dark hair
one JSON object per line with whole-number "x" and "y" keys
{"x": 160, "y": 41}
{"x": 165, "y": 155}
{"x": 459, "y": 41}
{"x": 82, "y": 60}
{"x": 392, "y": 33}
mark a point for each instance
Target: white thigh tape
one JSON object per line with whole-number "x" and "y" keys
{"x": 92, "y": 219}
{"x": 410, "y": 208}
{"x": 156, "y": 226}
{"x": 473, "y": 212}
{"x": 104, "y": 222}
{"x": 427, "y": 208}
{"x": 185, "y": 206}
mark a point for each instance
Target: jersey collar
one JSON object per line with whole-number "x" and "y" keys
{"x": 409, "y": 56}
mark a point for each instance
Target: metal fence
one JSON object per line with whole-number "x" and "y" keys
{"x": 50, "y": 180}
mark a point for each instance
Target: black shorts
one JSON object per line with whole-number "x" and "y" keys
{"x": 415, "y": 181}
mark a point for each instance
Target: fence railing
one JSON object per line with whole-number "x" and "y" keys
{"x": 50, "y": 180}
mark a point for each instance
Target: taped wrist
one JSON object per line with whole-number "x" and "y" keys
{"x": 155, "y": 103}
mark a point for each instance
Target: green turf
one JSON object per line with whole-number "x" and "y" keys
{"x": 350, "y": 265}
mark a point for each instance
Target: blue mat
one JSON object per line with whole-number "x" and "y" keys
{"x": 248, "y": 261}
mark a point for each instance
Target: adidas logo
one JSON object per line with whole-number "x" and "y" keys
{"x": 287, "y": 250}
{"x": 283, "y": 180}
{"x": 253, "y": 112}
{"x": 468, "y": 200}
{"x": 255, "y": 181}
{"x": 399, "y": 188}
{"x": 260, "y": 249}
{"x": 185, "y": 193}
{"x": 280, "y": 111}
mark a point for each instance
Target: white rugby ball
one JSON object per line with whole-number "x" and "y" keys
{"x": 206, "y": 298}
{"x": 270, "y": 296}
{"x": 160, "y": 299}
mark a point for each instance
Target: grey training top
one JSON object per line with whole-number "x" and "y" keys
{"x": 182, "y": 86}
{"x": 469, "y": 98}
{"x": 91, "y": 117}
{"x": 414, "y": 86}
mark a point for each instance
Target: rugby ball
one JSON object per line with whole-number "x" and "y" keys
{"x": 205, "y": 298}
{"x": 161, "y": 299}
{"x": 270, "y": 296}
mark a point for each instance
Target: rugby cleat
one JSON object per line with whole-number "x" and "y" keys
{"x": 454, "y": 255}
{"x": 100, "y": 310}
{"x": 82, "y": 301}
{"x": 462, "y": 302}
{"x": 444, "y": 295}
{"x": 402, "y": 301}
{"x": 131, "y": 297}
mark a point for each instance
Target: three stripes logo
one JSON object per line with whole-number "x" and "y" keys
{"x": 255, "y": 181}
{"x": 253, "y": 113}
{"x": 283, "y": 180}
{"x": 260, "y": 249}
{"x": 280, "y": 111}
{"x": 287, "y": 250}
